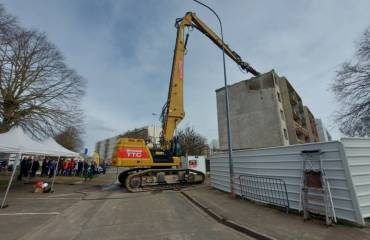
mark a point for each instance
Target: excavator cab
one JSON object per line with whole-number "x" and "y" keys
{"x": 176, "y": 147}
{"x": 130, "y": 152}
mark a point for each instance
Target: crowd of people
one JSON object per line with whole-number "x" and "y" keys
{"x": 64, "y": 167}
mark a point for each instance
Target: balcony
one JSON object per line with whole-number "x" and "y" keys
{"x": 296, "y": 115}
{"x": 293, "y": 99}
{"x": 300, "y": 130}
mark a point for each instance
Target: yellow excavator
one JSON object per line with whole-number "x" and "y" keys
{"x": 159, "y": 167}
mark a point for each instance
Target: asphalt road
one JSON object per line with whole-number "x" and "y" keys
{"x": 108, "y": 213}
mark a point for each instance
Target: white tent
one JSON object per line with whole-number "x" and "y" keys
{"x": 17, "y": 141}
{"x": 52, "y": 146}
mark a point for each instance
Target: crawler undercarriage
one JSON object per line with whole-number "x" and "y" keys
{"x": 148, "y": 179}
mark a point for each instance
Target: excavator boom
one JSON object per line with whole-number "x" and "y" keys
{"x": 173, "y": 111}
{"x": 153, "y": 168}
{"x": 202, "y": 27}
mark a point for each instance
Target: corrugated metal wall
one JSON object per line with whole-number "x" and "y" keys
{"x": 286, "y": 163}
{"x": 357, "y": 151}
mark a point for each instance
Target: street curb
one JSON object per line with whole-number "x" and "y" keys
{"x": 229, "y": 223}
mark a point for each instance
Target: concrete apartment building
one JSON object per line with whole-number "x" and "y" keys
{"x": 299, "y": 119}
{"x": 265, "y": 111}
{"x": 311, "y": 125}
{"x": 105, "y": 147}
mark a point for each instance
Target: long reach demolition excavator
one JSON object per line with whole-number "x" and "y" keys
{"x": 151, "y": 168}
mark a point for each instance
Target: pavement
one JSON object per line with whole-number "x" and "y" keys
{"x": 28, "y": 211}
{"x": 269, "y": 221}
{"x": 101, "y": 209}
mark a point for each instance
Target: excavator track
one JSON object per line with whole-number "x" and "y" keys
{"x": 162, "y": 179}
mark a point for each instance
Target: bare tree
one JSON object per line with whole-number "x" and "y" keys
{"x": 192, "y": 142}
{"x": 352, "y": 89}
{"x": 7, "y": 24}
{"x": 70, "y": 138}
{"x": 37, "y": 90}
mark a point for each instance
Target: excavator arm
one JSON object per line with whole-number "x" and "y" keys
{"x": 173, "y": 110}
{"x": 153, "y": 168}
{"x": 202, "y": 27}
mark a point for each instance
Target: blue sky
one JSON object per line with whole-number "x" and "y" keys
{"x": 124, "y": 50}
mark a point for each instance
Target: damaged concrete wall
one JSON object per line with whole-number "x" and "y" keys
{"x": 255, "y": 116}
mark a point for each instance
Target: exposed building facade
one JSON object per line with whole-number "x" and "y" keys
{"x": 311, "y": 125}
{"x": 265, "y": 111}
{"x": 323, "y": 132}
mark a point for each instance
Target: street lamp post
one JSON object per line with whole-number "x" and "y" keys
{"x": 231, "y": 167}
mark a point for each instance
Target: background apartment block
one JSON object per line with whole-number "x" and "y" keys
{"x": 265, "y": 111}
{"x": 105, "y": 148}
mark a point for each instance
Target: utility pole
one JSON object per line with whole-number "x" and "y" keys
{"x": 229, "y": 142}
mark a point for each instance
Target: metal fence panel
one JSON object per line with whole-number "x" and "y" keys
{"x": 264, "y": 189}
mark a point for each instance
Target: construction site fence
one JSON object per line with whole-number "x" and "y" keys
{"x": 265, "y": 190}
{"x": 345, "y": 162}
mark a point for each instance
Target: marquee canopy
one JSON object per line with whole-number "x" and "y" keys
{"x": 51, "y": 144}
{"x": 16, "y": 140}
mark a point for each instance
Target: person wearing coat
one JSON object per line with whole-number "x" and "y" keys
{"x": 23, "y": 169}
{"x": 28, "y": 167}
{"x": 44, "y": 168}
{"x": 79, "y": 167}
{"x": 85, "y": 167}
{"x": 35, "y": 167}
{"x": 52, "y": 167}
{"x": 104, "y": 167}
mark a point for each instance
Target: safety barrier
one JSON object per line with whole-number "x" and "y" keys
{"x": 264, "y": 189}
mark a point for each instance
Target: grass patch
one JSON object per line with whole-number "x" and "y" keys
{"x": 5, "y": 173}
